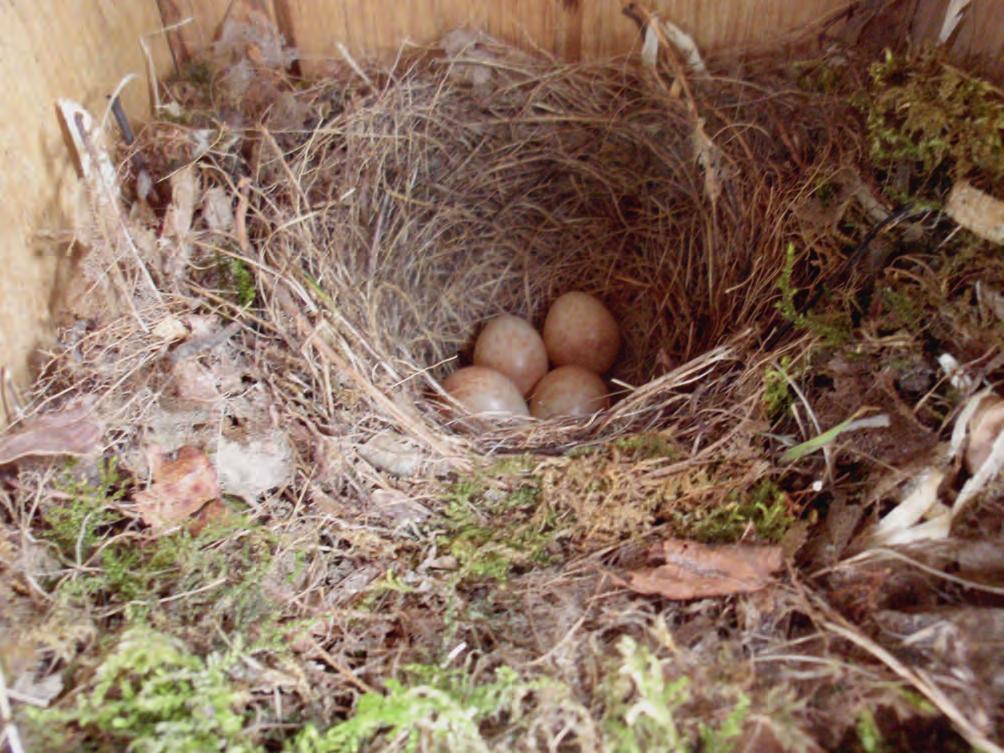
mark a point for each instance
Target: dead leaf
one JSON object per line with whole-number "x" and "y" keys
{"x": 39, "y": 690}
{"x": 180, "y": 487}
{"x": 213, "y": 512}
{"x": 976, "y": 211}
{"x": 392, "y": 453}
{"x": 191, "y": 381}
{"x": 250, "y": 469}
{"x": 398, "y": 507}
{"x": 170, "y": 329}
{"x": 990, "y": 300}
{"x": 71, "y": 431}
{"x": 692, "y": 571}
{"x": 709, "y": 158}
{"x": 953, "y": 17}
{"x": 177, "y": 248}
{"x": 178, "y": 218}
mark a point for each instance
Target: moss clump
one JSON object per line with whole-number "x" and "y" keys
{"x": 153, "y": 696}
{"x": 941, "y": 121}
{"x": 115, "y": 567}
{"x": 832, "y": 327}
{"x": 77, "y": 525}
{"x": 491, "y": 530}
{"x": 433, "y": 709}
{"x": 777, "y": 394}
{"x": 644, "y": 708}
{"x": 648, "y": 446}
{"x": 764, "y": 511}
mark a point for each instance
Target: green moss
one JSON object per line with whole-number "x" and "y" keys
{"x": 241, "y": 281}
{"x": 77, "y": 524}
{"x": 925, "y": 112}
{"x": 432, "y": 709}
{"x": 869, "y": 734}
{"x": 904, "y": 307}
{"x": 493, "y": 530}
{"x": 777, "y": 394}
{"x": 644, "y": 708}
{"x": 150, "y": 695}
{"x": 823, "y": 76}
{"x": 648, "y": 446}
{"x": 137, "y": 572}
{"x": 764, "y": 510}
{"x": 832, "y": 327}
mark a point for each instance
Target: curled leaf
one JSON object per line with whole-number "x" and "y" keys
{"x": 180, "y": 488}
{"x": 690, "y": 570}
{"x": 829, "y": 436}
{"x": 71, "y": 431}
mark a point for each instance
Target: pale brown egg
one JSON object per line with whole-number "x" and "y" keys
{"x": 512, "y": 346}
{"x": 568, "y": 391}
{"x": 580, "y": 331}
{"x": 985, "y": 426}
{"x": 485, "y": 391}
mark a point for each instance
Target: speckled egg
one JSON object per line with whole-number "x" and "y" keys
{"x": 513, "y": 347}
{"x": 580, "y": 331}
{"x": 569, "y": 391}
{"x": 484, "y": 391}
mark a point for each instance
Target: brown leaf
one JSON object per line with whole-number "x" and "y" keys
{"x": 691, "y": 570}
{"x": 180, "y": 487}
{"x": 71, "y": 431}
{"x": 215, "y": 511}
{"x": 976, "y": 211}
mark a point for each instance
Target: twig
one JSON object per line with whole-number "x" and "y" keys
{"x": 10, "y": 729}
{"x": 344, "y": 671}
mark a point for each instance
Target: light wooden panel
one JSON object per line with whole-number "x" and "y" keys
{"x": 54, "y": 48}
{"x": 979, "y": 39}
{"x": 567, "y": 28}
{"x": 194, "y": 24}
{"x": 724, "y": 24}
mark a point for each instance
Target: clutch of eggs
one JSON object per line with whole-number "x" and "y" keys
{"x": 580, "y": 338}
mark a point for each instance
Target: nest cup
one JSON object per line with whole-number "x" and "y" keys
{"x": 426, "y": 201}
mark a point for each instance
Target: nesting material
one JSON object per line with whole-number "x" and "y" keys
{"x": 413, "y": 207}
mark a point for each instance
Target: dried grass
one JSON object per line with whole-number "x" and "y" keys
{"x": 414, "y": 210}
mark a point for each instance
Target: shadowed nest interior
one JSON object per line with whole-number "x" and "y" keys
{"x": 428, "y": 200}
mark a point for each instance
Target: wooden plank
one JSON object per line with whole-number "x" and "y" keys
{"x": 978, "y": 40}
{"x": 79, "y": 49}
{"x": 366, "y": 28}
{"x": 727, "y": 24}
{"x": 195, "y": 24}
{"x": 568, "y": 28}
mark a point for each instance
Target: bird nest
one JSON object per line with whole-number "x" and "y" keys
{"x": 393, "y": 212}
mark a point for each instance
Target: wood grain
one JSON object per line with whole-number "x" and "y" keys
{"x": 571, "y": 29}
{"x": 79, "y": 49}
{"x": 196, "y": 22}
{"x": 979, "y": 38}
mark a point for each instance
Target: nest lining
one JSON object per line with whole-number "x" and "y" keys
{"x": 420, "y": 206}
